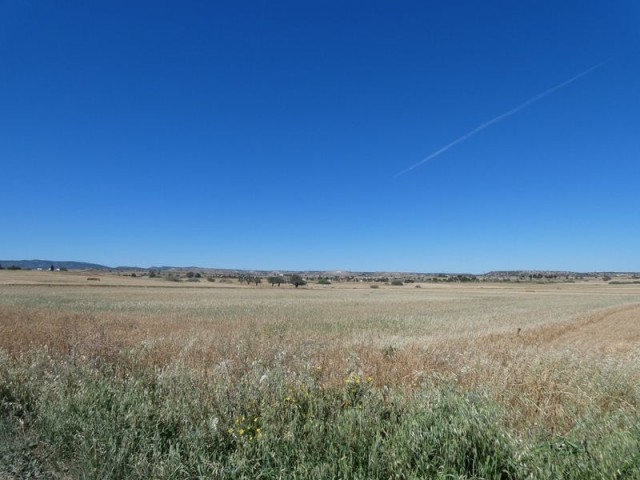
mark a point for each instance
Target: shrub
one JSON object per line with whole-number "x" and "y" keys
{"x": 397, "y": 283}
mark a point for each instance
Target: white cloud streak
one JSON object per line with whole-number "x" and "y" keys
{"x": 501, "y": 117}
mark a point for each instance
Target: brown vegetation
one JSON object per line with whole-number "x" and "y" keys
{"x": 538, "y": 351}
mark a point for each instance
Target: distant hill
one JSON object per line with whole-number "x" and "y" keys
{"x": 46, "y": 264}
{"x": 549, "y": 274}
{"x": 346, "y": 275}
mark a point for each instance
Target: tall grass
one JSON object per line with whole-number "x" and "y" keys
{"x": 88, "y": 419}
{"x": 142, "y": 386}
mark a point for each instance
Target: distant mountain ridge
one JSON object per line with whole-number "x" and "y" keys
{"x": 46, "y": 264}
{"x": 73, "y": 265}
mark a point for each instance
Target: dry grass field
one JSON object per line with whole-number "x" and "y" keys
{"x": 557, "y": 364}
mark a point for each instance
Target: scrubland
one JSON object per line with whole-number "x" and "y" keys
{"x": 141, "y": 378}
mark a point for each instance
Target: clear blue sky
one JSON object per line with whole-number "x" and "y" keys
{"x": 268, "y": 134}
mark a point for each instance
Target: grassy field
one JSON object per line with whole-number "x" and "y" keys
{"x": 143, "y": 378}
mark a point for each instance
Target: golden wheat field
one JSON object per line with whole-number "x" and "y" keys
{"x": 537, "y": 348}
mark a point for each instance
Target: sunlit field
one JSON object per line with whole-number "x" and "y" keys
{"x": 143, "y": 378}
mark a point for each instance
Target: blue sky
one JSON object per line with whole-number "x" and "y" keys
{"x": 268, "y": 135}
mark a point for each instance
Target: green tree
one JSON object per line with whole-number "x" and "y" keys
{"x": 297, "y": 280}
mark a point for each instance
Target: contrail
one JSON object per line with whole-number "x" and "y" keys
{"x": 501, "y": 117}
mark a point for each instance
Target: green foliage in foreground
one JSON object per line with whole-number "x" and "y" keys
{"x": 84, "y": 419}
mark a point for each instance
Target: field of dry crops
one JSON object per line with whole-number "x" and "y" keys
{"x": 548, "y": 354}
{"x": 542, "y": 340}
